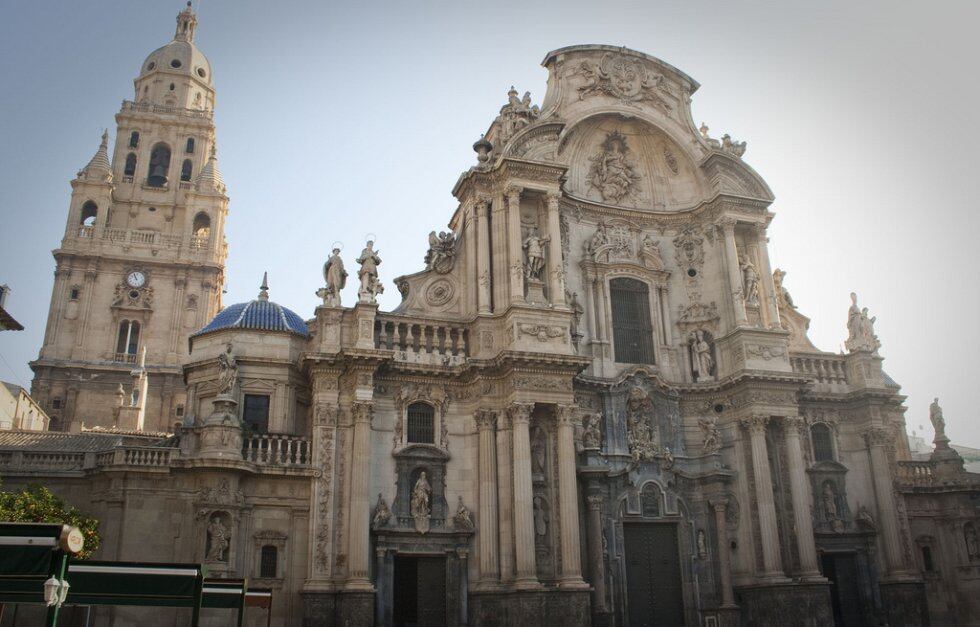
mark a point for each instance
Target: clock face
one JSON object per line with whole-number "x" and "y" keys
{"x": 135, "y": 279}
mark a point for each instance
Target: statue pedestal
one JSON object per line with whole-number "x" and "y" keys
{"x": 535, "y": 292}
{"x": 221, "y": 435}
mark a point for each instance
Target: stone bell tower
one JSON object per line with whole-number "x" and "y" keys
{"x": 141, "y": 264}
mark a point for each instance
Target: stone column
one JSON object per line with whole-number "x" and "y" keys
{"x": 462, "y": 555}
{"x": 767, "y": 289}
{"x": 734, "y": 273}
{"x": 877, "y": 438}
{"x": 482, "y": 254}
{"x": 321, "y": 496}
{"x": 556, "y": 272}
{"x": 571, "y": 556}
{"x": 766, "y": 507}
{"x": 724, "y": 553}
{"x": 516, "y": 252}
{"x": 360, "y": 505}
{"x": 801, "y": 498}
{"x": 505, "y": 496}
{"x": 527, "y": 570}
{"x": 487, "y": 532}
{"x": 597, "y": 564}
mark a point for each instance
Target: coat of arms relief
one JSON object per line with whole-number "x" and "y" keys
{"x": 625, "y": 79}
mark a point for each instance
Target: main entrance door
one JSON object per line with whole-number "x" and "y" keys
{"x": 653, "y": 575}
{"x": 842, "y": 571}
{"x": 419, "y": 591}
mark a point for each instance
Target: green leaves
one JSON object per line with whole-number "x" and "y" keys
{"x": 36, "y": 503}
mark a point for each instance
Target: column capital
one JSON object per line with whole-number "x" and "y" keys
{"x": 877, "y": 436}
{"x": 594, "y": 501}
{"x": 483, "y": 200}
{"x": 565, "y": 415}
{"x": 513, "y": 190}
{"x": 718, "y": 503}
{"x": 520, "y": 413}
{"x": 553, "y": 198}
{"x": 363, "y": 411}
{"x": 486, "y": 419}
{"x": 380, "y": 551}
{"x": 755, "y": 424}
{"x": 794, "y": 423}
{"x": 727, "y": 224}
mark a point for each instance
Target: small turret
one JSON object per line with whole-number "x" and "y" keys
{"x": 98, "y": 169}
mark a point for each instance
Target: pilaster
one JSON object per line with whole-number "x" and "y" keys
{"x": 527, "y": 573}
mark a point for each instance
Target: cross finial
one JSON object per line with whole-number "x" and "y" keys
{"x": 264, "y": 288}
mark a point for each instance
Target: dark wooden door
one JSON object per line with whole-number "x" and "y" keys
{"x": 419, "y": 591}
{"x": 845, "y": 585}
{"x": 653, "y": 575}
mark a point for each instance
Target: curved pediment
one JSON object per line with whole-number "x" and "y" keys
{"x": 732, "y": 176}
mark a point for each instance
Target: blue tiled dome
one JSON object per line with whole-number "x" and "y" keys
{"x": 261, "y": 314}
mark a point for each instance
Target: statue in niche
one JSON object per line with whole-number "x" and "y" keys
{"x": 462, "y": 519}
{"x": 829, "y": 497}
{"x": 219, "y": 540}
{"x": 750, "y": 281}
{"x": 368, "y": 274}
{"x": 782, "y": 294}
{"x": 598, "y": 241}
{"x": 650, "y": 249}
{"x": 534, "y": 254}
{"x": 381, "y": 513}
{"x": 227, "y": 372}
{"x": 612, "y": 173}
{"x": 936, "y": 417}
{"x": 336, "y": 277}
{"x": 702, "y": 544}
{"x": 592, "y": 431}
{"x": 540, "y": 517}
{"x": 441, "y": 253}
{"x": 702, "y": 363}
{"x": 538, "y": 452}
{"x": 577, "y": 311}
{"x": 972, "y": 544}
{"x": 711, "y": 442}
{"x": 421, "y": 507}
{"x": 860, "y": 329}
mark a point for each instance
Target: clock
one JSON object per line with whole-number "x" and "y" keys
{"x": 135, "y": 279}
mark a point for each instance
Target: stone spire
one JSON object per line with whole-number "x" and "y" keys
{"x": 98, "y": 168}
{"x": 186, "y": 24}
{"x": 209, "y": 180}
{"x": 264, "y": 288}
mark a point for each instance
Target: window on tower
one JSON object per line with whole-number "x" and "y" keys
{"x": 190, "y": 146}
{"x": 159, "y": 166}
{"x": 130, "y": 168}
{"x": 202, "y": 226}
{"x": 134, "y": 139}
{"x": 89, "y": 212}
{"x": 129, "y": 338}
{"x": 185, "y": 170}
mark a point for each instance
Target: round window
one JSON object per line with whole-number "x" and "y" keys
{"x": 134, "y": 294}
{"x": 150, "y": 66}
{"x": 175, "y": 63}
{"x": 691, "y": 272}
{"x": 200, "y": 72}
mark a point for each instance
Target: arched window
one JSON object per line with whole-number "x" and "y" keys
{"x": 185, "y": 170}
{"x": 130, "y": 168}
{"x": 190, "y": 146}
{"x": 269, "y": 562}
{"x": 129, "y": 337}
{"x": 632, "y": 326}
{"x": 134, "y": 139}
{"x": 927, "y": 564}
{"x": 421, "y": 423}
{"x": 202, "y": 225}
{"x": 89, "y": 212}
{"x": 823, "y": 442}
{"x": 159, "y": 166}
{"x": 650, "y": 499}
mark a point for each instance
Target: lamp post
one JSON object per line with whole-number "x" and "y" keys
{"x": 56, "y": 587}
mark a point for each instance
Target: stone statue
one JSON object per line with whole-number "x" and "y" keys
{"x": 860, "y": 329}
{"x": 650, "y": 248}
{"x": 972, "y": 545}
{"x": 592, "y": 431}
{"x": 702, "y": 544}
{"x": 577, "y": 311}
{"x": 936, "y": 417}
{"x": 462, "y": 518}
{"x": 611, "y": 173}
{"x": 218, "y": 540}
{"x": 782, "y": 294}
{"x": 441, "y": 253}
{"x": 750, "y": 281}
{"x": 702, "y": 363}
{"x": 368, "y": 274}
{"x": 336, "y": 277}
{"x": 540, "y": 517}
{"x": 711, "y": 442}
{"x": 830, "y": 507}
{"x": 534, "y": 254}
{"x": 381, "y": 513}
{"x": 538, "y": 452}
{"x": 599, "y": 240}
{"x": 639, "y": 435}
{"x": 421, "y": 507}
{"x": 227, "y": 372}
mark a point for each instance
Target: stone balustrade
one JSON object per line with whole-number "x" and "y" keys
{"x": 146, "y": 107}
{"x": 829, "y": 371}
{"x": 143, "y": 238}
{"x": 915, "y": 473}
{"x": 277, "y": 450}
{"x": 417, "y": 341}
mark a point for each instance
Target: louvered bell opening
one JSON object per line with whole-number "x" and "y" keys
{"x": 632, "y": 328}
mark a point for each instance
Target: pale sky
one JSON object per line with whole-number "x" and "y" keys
{"x": 336, "y": 121}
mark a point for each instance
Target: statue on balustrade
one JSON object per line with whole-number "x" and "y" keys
{"x": 860, "y": 329}
{"x": 368, "y": 274}
{"x": 336, "y": 277}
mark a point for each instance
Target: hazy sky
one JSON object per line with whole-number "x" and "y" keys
{"x": 336, "y": 120}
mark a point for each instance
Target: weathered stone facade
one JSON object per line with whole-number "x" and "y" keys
{"x": 596, "y": 404}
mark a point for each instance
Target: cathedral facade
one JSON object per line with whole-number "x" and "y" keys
{"x": 595, "y": 404}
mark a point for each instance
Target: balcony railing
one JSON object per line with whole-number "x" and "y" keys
{"x": 124, "y": 358}
{"x": 915, "y": 473}
{"x": 86, "y": 232}
{"x": 421, "y": 342}
{"x": 277, "y": 450}
{"x": 140, "y": 456}
{"x": 146, "y": 107}
{"x": 141, "y": 238}
{"x": 828, "y": 370}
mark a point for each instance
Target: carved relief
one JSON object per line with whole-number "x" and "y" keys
{"x": 442, "y": 252}
{"x": 462, "y": 518}
{"x": 698, "y": 315}
{"x": 624, "y": 79}
{"x": 515, "y": 115}
{"x": 765, "y": 351}
{"x": 439, "y": 292}
{"x": 689, "y": 247}
{"x": 710, "y": 436}
{"x": 542, "y": 332}
{"x": 381, "y": 514}
{"x": 592, "y": 431}
{"x": 612, "y": 172}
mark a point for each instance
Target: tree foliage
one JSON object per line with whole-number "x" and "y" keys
{"x": 36, "y": 503}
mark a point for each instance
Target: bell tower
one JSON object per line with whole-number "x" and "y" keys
{"x": 141, "y": 263}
